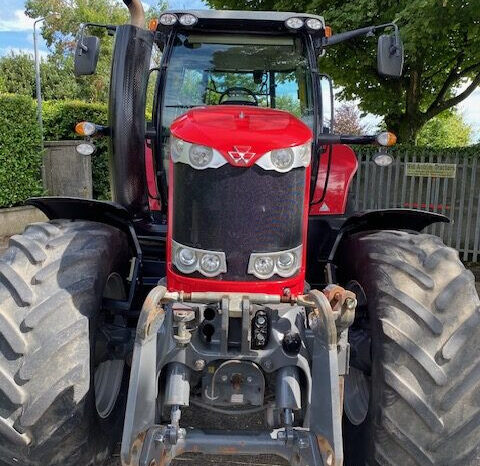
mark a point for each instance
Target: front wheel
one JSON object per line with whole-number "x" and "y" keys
{"x": 52, "y": 278}
{"x": 418, "y": 401}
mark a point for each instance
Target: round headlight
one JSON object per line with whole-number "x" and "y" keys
{"x": 314, "y": 24}
{"x": 177, "y": 146}
{"x": 168, "y": 19}
{"x": 200, "y": 156}
{"x": 282, "y": 159}
{"x": 306, "y": 154}
{"x": 188, "y": 20}
{"x": 186, "y": 257}
{"x": 294, "y": 23}
{"x": 210, "y": 263}
{"x": 264, "y": 265}
{"x": 383, "y": 160}
{"x": 286, "y": 262}
{"x": 85, "y": 148}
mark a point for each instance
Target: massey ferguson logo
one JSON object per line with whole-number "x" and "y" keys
{"x": 241, "y": 154}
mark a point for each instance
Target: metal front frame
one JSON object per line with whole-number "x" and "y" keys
{"x": 318, "y": 443}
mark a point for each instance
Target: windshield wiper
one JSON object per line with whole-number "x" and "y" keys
{"x": 184, "y": 106}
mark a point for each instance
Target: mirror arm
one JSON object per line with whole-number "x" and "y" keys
{"x": 81, "y": 33}
{"x": 328, "y": 139}
{"x": 368, "y": 31}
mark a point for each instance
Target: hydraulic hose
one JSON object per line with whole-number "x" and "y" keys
{"x": 137, "y": 13}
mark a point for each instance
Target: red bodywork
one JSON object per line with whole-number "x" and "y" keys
{"x": 153, "y": 195}
{"x": 254, "y": 129}
{"x": 227, "y": 128}
{"x": 342, "y": 170}
{"x": 261, "y": 130}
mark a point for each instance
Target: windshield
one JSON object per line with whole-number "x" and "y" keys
{"x": 265, "y": 71}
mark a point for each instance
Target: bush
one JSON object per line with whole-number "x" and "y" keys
{"x": 20, "y": 153}
{"x": 59, "y": 120}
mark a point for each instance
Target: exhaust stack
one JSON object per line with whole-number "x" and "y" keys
{"x": 137, "y": 13}
{"x": 128, "y": 84}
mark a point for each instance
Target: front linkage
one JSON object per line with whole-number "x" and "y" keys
{"x": 318, "y": 442}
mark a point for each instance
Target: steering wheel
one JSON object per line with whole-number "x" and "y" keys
{"x": 237, "y": 92}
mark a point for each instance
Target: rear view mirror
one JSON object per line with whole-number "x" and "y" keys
{"x": 86, "y": 55}
{"x": 390, "y": 55}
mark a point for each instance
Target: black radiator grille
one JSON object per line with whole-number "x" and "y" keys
{"x": 238, "y": 211}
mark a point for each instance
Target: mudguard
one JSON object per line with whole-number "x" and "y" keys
{"x": 392, "y": 219}
{"x": 325, "y": 233}
{"x": 75, "y": 208}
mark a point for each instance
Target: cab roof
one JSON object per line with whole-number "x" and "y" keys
{"x": 240, "y": 20}
{"x": 245, "y": 15}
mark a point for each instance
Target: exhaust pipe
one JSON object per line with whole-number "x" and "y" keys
{"x": 128, "y": 84}
{"x": 137, "y": 13}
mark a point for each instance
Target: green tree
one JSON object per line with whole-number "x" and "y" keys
{"x": 445, "y": 130}
{"x": 17, "y": 74}
{"x": 59, "y": 33}
{"x": 442, "y": 45}
{"x": 58, "y": 81}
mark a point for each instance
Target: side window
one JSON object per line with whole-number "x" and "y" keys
{"x": 293, "y": 94}
{"x": 288, "y": 94}
{"x": 192, "y": 90}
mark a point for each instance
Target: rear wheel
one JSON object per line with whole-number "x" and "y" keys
{"x": 419, "y": 401}
{"x": 52, "y": 278}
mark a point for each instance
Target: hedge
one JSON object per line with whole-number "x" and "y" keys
{"x": 59, "y": 120}
{"x": 20, "y": 150}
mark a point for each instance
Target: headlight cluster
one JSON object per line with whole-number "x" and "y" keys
{"x": 212, "y": 263}
{"x": 202, "y": 157}
{"x": 195, "y": 155}
{"x": 312, "y": 24}
{"x": 283, "y": 263}
{"x": 283, "y": 160}
{"x": 189, "y": 260}
{"x": 169, "y": 19}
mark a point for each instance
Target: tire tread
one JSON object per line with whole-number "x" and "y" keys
{"x": 425, "y": 320}
{"x": 51, "y": 283}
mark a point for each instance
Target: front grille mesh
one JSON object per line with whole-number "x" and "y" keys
{"x": 238, "y": 211}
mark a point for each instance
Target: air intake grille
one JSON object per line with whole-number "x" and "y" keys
{"x": 238, "y": 211}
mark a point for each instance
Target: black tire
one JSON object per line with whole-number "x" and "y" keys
{"x": 424, "y": 318}
{"x": 52, "y": 279}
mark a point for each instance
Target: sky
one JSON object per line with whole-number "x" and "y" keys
{"x": 16, "y": 34}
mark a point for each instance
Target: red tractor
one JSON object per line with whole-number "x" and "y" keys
{"x": 250, "y": 291}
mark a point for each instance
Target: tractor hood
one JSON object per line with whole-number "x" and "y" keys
{"x": 233, "y": 129}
